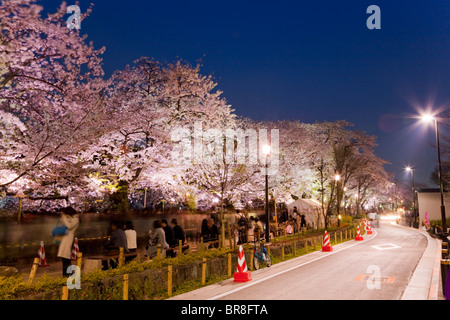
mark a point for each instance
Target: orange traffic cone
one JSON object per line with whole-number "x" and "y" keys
{"x": 326, "y": 243}
{"x": 358, "y": 235}
{"x": 368, "y": 229}
{"x": 75, "y": 250}
{"x": 242, "y": 274}
{"x": 41, "y": 254}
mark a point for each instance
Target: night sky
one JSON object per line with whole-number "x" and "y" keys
{"x": 305, "y": 60}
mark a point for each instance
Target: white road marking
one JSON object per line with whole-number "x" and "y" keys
{"x": 287, "y": 270}
{"x": 386, "y": 246}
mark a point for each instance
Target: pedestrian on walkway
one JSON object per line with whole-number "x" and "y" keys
{"x": 71, "y": 220}
{"x": 116, "y": 240}
{"x": 170, "y": 238}
{"x": 179, "y": 231}
{"x": 156, "y": 236}
{"x": 242, "y": 226}
{"x": 131, "y": 236}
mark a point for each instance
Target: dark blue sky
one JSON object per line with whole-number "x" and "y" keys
{"x": 305, "y": 60}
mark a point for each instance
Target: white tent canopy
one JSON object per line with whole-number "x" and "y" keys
{"x": 311, "y": 208}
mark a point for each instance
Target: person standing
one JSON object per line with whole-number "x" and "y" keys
{"x": 131, "y": 236}
{"x": 116, "y": 240}
{"x": 70, "y": 219}
{"x": 156, "y": 236}
{"x": 242, "y": 224}
{"x": 178, "y": 231}
{"x": 170, "y": 238}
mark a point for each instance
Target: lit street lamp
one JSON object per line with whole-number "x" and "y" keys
{"x": 415, "y": 223}
{"x": 428, "y": 118}
{"x": 266, "y": 152}
{"x": 337, "y": 177}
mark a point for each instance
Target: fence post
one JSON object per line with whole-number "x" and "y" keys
{"x": 306, "y": 245}
{"x": 282, "y": 252}
{"x": 65, "y": 293}
{"x": 201, "y": 244}
{"x": 158, "y": 251}
{"x": 229, "y": 265}
{"x": 335, "y": 237}
{"x": 120, "y": 257}
{"x": 340, "y": 235}
{"x": 169, "y": 280}
{"x": 125, "y": 287}
{"x": 79, "y": 259}
{"x": 180, "y": 245}
{"x": 34, "y": 268}
{"x": 204, "y": 271}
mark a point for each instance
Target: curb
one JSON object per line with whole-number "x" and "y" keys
{"x": 424, "y": 283}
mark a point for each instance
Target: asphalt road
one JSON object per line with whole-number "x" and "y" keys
{"x": 379, "y": 267}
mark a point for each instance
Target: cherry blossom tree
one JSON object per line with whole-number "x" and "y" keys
{"x": 51, "y": 98}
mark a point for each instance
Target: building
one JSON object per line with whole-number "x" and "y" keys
{"x": 429, "y": 200}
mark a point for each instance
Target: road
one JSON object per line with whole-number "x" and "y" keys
{"x": 379, "y": 267}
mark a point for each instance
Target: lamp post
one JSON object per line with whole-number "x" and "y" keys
{"x": 415, "y": 223}
{"x": 266, "y": 152}
{"x": 429, "y": 118}
{"x": 337, "y": 177}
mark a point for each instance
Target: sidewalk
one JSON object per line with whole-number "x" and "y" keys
{"x": 425, "y": 283}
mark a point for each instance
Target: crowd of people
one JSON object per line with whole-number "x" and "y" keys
{"x": 168, "y": 236}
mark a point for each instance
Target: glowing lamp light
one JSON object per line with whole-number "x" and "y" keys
{"x": 337, "y": 177}
{"x": 266, "y": 149}
{"x": 427, "y": 118}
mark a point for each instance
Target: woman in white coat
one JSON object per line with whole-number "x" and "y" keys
{"x": 71, "y": 220}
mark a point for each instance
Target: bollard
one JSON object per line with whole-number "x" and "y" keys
{"x": 79, "y": 259}
{"x": 34, "y": 268}
{"x": 444, "y": 273}
{"x": 229, "y": 265}
{"x": 125, "y": 287}
{"x": 158, "y": 251}
{"x": 169, "y": 280}
{"x": 120, "y": 257}
{"x": 65, "y": 293}
{"x": 204, "y": 271}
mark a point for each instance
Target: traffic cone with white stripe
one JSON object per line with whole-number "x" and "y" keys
{"x": 368, "y": 229}
{"x": 242, "y": 274}
{"x": 358, "y": 235}
{"x": 326, "y": 243}
{"x": 75, "y": 250}
{"x": 41, "y": 254}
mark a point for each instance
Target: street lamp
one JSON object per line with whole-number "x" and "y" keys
{"x": 266, "y": 152}
{"x": 429, "y": 118}
{"x": 415, "y": 223}
{"x": 337, "y": 177}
